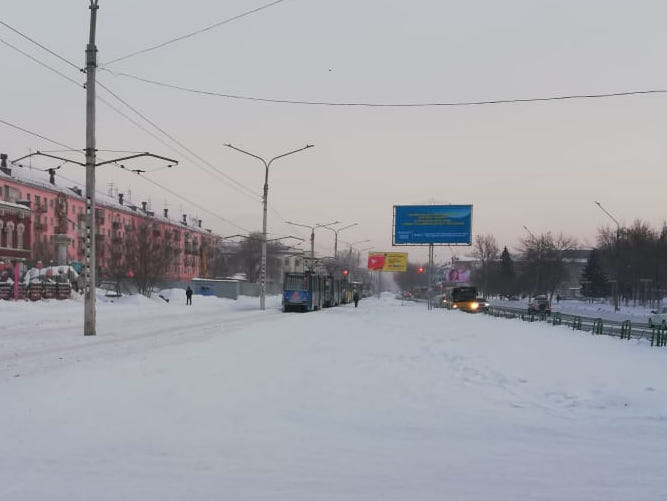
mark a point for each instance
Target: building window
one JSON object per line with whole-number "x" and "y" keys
{"x": 10, "y": 234}
{"x": 19, "y": 236}
{"x": 27, "y": 196}
{"x": 12, "y": 194}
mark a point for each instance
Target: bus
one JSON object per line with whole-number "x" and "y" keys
{"x": 464, "y": 298}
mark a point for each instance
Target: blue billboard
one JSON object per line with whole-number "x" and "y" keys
{"x": 432, "y": 224}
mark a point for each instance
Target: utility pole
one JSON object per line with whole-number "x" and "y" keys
{"x": 90, "y": 264}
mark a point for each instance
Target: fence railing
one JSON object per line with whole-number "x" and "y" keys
{"x": 624, "y": 329}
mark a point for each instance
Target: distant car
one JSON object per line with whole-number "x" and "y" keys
{"x": 658, "y": 317}
{"x": 540, "y": 304}
{"x": 483, "y": 304}
{"x": 440, "y": 302}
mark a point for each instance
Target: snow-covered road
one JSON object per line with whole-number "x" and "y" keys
{"x": 386, "y": 401}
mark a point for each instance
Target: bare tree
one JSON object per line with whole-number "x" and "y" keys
{"x": 149, "y": 253}
{"x": 43, "y": 251}
{"x": 247, "y": 255}
{"x": 544, "y": 261}
{"x": 485, "y": 249}
{"x": 117, "y": 267}
{"x": 635, "y": 257}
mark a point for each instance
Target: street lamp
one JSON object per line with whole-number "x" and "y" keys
{"x": 262, "y": 280}
{"x": 312, "y": 233}
{"x": 336, "y": 234}
{"x": 618, "y": 254}
{"x": 618, "y": 226}
{"x": 356, "y": 243}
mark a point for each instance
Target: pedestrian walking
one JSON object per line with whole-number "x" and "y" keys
{"x": 188, "y": 296}
{"x": 356, "y": 299}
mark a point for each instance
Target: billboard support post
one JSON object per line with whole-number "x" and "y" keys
{"x": 429, "y": 289}
{"x": 429, "y": 225}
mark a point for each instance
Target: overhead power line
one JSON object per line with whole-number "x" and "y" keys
{"x": 214, "y": 171}
{"x": 175, "y": 194}
{"x": 32, "y": 58}
{"x": 241, "y": 188}
{"x": 40, "y": 45}
{"x": 9, "y": 124}
{"x": 392, "y": 105}
{"x": 194, "y": 33}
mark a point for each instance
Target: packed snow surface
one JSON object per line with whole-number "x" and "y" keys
{"x": 388, "y": 401}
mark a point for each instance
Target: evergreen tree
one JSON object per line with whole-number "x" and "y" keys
{"x": 594, "y": 281}
{"x": 507, "y": 272}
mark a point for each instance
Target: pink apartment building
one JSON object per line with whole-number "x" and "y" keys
{"x": 41, "y": 214}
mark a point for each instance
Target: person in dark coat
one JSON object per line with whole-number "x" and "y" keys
{"x": 356, "y": 299}
{"x": 188, "y": 295}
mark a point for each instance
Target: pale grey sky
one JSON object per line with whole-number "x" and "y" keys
{"x": 540, "y": 164}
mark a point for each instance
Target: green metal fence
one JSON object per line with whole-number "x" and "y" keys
{"x": 623, "y": 329}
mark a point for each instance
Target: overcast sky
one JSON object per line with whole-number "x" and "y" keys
{"x": 537, "y": 164}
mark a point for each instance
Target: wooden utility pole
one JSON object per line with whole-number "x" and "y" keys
{"x": 90, "y": 265}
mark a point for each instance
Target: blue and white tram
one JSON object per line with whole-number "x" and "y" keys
{"x": 303, "y": 291}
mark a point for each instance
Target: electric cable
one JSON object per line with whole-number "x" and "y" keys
{"x": 189, "y": 35}
{"x": 391, "y": 105}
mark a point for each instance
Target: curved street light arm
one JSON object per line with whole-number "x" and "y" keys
{"x": 618, "y": 226}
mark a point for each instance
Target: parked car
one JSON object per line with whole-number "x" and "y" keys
{"x": 658, "y": 317}
{"x": 540, "y": 304}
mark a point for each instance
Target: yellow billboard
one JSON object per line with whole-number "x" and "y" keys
{"x": 388, "y": 261}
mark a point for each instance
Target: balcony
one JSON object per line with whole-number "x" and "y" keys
{"x": 115, "y": 225}
{"x": 40, "y": 208}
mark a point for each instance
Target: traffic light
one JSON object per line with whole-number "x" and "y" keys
{"x": 344, "y": 273}
{"x": 420, "y": 270}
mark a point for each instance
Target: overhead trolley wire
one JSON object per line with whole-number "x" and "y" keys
{"x": 236, "y": 184}
{"x": 192, "y": 34}
{"x": 99, "y": 192}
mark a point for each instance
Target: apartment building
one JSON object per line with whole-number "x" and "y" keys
{"x": 41, "y": 215}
